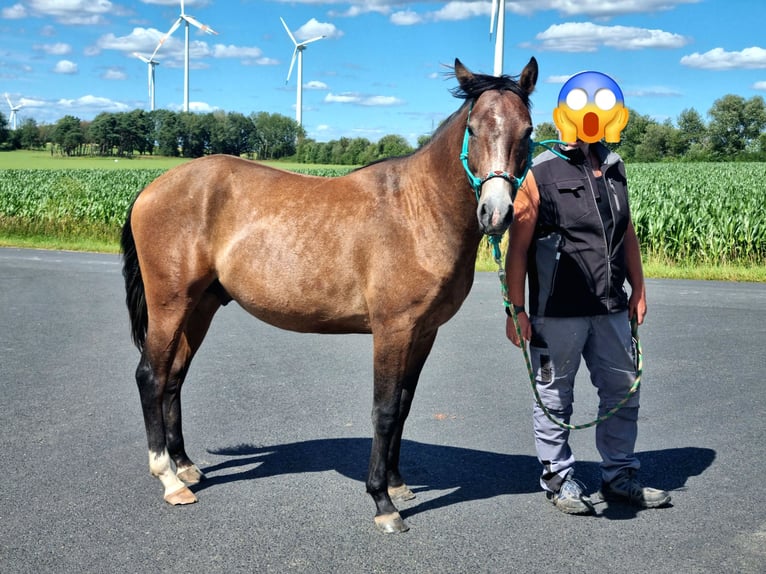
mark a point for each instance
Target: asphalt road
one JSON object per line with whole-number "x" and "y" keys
{"x": 279, "y": 422}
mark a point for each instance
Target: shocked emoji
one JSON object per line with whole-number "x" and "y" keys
{"x": 590, "y": 107}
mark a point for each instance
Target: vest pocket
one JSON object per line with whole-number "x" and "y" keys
{"x": 547, "y": 260}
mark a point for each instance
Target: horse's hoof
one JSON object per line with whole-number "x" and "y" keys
{"x": 390, "y": 523}
{"x": 400, "y": 493}
{"x": 181, "y": 496}
{"x": 191, "y": 475}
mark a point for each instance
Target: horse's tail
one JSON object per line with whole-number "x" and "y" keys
{"x": 134, "y": 285}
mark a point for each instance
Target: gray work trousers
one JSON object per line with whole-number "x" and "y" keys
{"x": 605, "y": 342}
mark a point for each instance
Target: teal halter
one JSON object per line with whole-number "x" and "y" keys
{"x": 476, "y": 182}
{"x": 516, "y": 182}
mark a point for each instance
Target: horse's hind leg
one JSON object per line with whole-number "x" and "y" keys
{"x": 151, "y": 388}
{"x": 172, "y": 339}
{"x": 196, "y": 328}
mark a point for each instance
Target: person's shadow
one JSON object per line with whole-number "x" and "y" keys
{"x": 467, "y": 473}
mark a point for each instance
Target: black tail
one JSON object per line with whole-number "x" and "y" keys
{"x": 134, "y": 285}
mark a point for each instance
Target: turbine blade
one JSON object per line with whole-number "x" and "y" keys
{"x": 182, "y": 7}
{"x": 173, "y": 28}
{"x": 288, "y": 31}
{"x": 312, "y": 40}
{"x": 204, "y": 27}
{"x": 292, "y": 63}
{"x": 142, "y": 58}
{"x": 7, "y": 99}
{"x": 492, "y": 17}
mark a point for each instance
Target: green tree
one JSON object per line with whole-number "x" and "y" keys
{"x": 392, "y": 146}
{"x": 736, "y": 125}
{"x": 30, "y": 135}
{"x": 4, "y": 132}
{"x": 276, "y": 136}
{"x": 167, "y": 132}
{"x": 69, "y": 135}
{"x": 656, "y": 144}
{"x": 632, "y": 135}
{"x": 103, "y": 132}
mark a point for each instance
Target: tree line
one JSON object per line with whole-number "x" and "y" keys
{"x": 735, "y": 132}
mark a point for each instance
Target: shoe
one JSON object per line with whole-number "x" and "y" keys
{"x": 570, "y": 498}
{"x": 627, "y": 488}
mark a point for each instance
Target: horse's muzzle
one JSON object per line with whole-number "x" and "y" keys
{"x": 494, "y": 219}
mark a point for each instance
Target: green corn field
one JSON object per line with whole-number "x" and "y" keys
{"x": 712, "y": 213}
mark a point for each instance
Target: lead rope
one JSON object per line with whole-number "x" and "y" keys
{"x": 494, "y": 241}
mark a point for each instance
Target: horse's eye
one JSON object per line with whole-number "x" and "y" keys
{"x": 470, "y": 131}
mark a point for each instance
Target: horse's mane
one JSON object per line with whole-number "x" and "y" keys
{"x": 480, "y": 83}
{"x": 473, "y": 88}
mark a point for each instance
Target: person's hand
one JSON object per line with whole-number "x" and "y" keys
{"x": 526, "y": 328}
{"x": 637, "y": 307}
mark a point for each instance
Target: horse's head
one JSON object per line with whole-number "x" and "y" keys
{"x": 496, "y": 146}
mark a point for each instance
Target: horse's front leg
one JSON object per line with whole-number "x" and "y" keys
{"x": 398, "y": 360}
{"x": 397, "y": 488}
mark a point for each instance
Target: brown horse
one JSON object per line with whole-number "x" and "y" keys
{"x": 388, "y": 249}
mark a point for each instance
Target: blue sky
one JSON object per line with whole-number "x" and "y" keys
{"x": 381, "y": 68}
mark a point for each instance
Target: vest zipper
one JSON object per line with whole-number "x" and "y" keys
{"x": 590, "y": 177}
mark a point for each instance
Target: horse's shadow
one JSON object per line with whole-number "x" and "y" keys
{"x": 466, "y": 474}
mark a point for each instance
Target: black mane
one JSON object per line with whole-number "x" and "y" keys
{"x": 480, "y": 83}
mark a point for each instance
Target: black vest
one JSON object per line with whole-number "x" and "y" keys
{"x": 576, "y": 262}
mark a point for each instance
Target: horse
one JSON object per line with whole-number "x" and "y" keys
{"x": 388, "y": 249}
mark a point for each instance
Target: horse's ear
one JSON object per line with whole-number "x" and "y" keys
{"x": 462, "y": 73}
{"x": 528, "y": 78}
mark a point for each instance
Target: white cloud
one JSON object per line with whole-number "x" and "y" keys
{"x": 588, "y": 37}
{"x": 139, "y": 40}
{"x": 313, "y": 28}
{"x": 760, "y": 86}
{"x": 93, "y": 103}
{"x": 720, "y": 59}
{"x": 71, "y": 12}
{"x": 461, "y": 11}
{"x": 654, "y": 92}
{"x": 406, "y": 18}
{"x": 58, "y": 49}
{"x": 315, "y": 85}
{"x": 363, "y": 100}
{"x": 65, "y": 67}
{"x": 342, "y": 98}
{"x": 15, "y": 12}
{"x": 114, "y": 74}
{"x": 557, "y": 79}
{"x": 600, "y": 8}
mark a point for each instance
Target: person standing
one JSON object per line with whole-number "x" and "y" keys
{"x": 573, "y": 239}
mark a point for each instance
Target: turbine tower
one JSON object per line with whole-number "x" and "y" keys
{"x": 185, "y": 19}
{"x": 151, "y": 63}
{"x": 498, "y": 13}
{"x": 14, "y": 109}
{"x": 298, "y": 51}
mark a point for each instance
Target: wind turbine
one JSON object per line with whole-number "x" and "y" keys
{"x": 151, "y": 63}
{"x": 186, "y": 20}
{"x": 14, "y": 109}
{"x": 498, "y": 13}
{"x": 298, "y": 51}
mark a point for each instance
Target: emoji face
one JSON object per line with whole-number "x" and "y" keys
{"x": 590, "y": 107}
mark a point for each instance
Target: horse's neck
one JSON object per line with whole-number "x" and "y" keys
{"x": 437, "y": 190}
